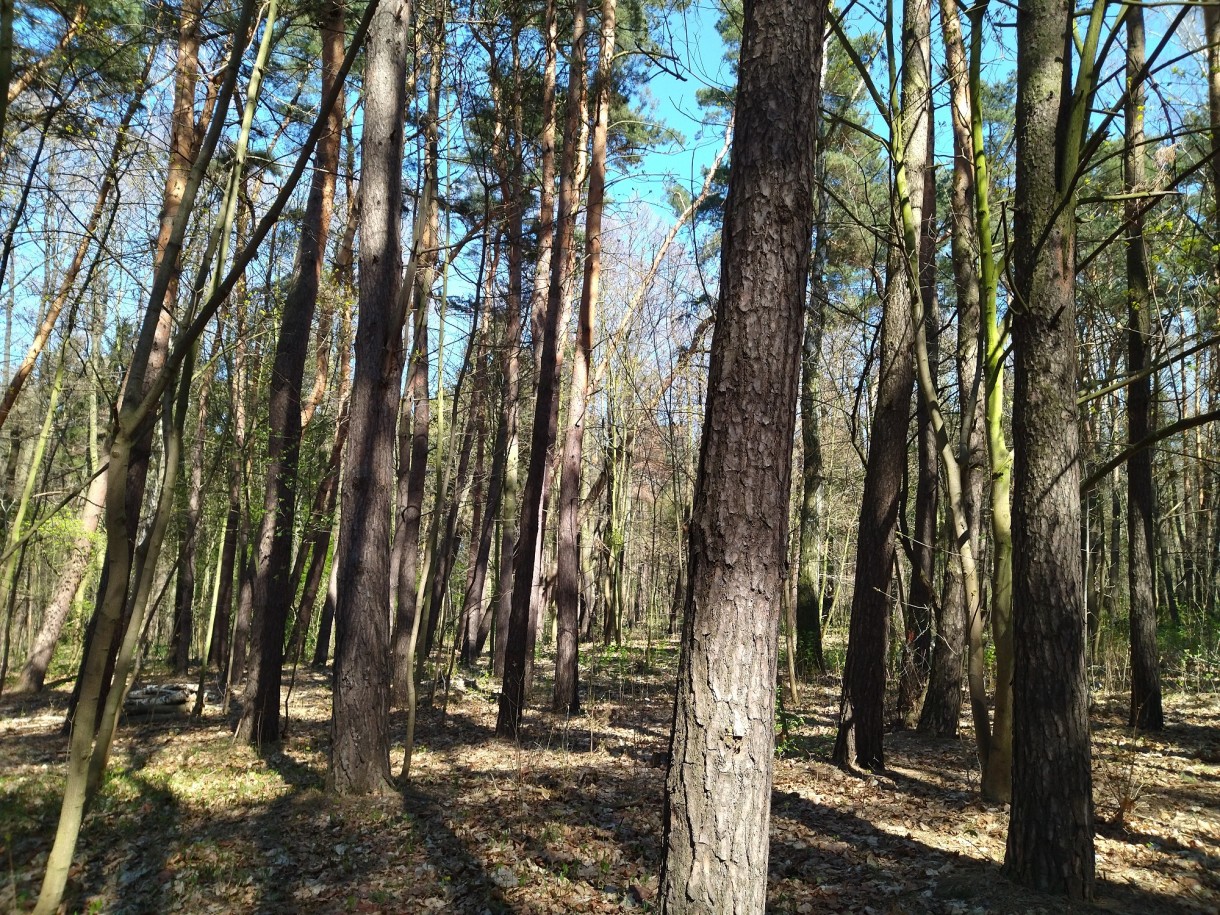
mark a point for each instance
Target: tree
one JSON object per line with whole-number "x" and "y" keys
{"x": 1050, "y": 833}
{"x": 519, "y": 646}
{"x": 567, "y": 589}
{"x": 274, "y": 589}
{"x": 718, "y": 786}
{"x": 859, "y": 741}
{"x": 360, "y": 761}
{"x": 1146, "y": 712}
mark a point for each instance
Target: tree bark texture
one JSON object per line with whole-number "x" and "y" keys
{"x": 1050, "y": 833}
{"x": 718, "y": 787}
{"x": 360, "y": 762}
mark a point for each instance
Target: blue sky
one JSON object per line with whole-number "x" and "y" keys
{"x": 700, "y": 64}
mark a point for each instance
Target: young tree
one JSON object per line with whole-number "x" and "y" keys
{"x": 718, "y": 787}
{"x": 1146, "y": 711}
{"x": 861, "y": 708}
{"x": 274, "y": 589}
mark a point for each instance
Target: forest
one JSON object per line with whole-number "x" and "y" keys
{"x": 558, "y": 456}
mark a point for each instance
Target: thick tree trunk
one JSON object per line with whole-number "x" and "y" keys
{"x": 274, "y": 587}
{"x": 1050, "y": 833}
{"x": 360, "y": 762}
{"x": 718, "y": 788}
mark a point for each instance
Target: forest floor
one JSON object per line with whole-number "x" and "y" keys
{"x": 569, "y": 819}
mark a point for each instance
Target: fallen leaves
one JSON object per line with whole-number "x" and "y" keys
{"x": 569, "y": 821}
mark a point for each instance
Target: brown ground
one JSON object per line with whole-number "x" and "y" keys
{"x": 570, "y": 820}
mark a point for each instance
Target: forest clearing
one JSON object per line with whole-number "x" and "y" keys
{"x": 706, "y": 457}
{"x": 568, "y": 820}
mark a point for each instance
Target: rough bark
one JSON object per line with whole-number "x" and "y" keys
{"x": 1050, "y": 833}
{"x": 360, "y": 762}
{"x": 718, "y": 787}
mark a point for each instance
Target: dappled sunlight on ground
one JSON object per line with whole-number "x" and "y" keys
{"x": 569, "y": 819}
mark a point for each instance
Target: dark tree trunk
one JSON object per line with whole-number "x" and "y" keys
{"x": 861, "y": 711}
{"x": 718, "y": 788}
{"x": 861, "y": 714}
{"x": 1146, "y": 710}
{"x": 360, "y": 760}
{"x": 1050, "y": 833}
{"x": 519, "y": 644}
{"x": 274, "y": 586}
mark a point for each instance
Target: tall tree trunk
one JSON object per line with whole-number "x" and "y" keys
{"x": 1146, "y": 711}
{"x": 1050, "y": 832}
{"x": 181, "y": 187}
{"x": 519, "y": 645}
{"x": 567, "y": 586}
{"x": 360, "y": 762}
{"x": 274, "y": 589}
{"x": 921, "y": 598}
{"x": 942, "y": 702}
{"x": 413, "y": 435}
{"x": 861, "y": 710}
{"x": 718, "y": 787}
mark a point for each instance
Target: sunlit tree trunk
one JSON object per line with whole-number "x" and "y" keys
{"x": 718, "y": 787}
